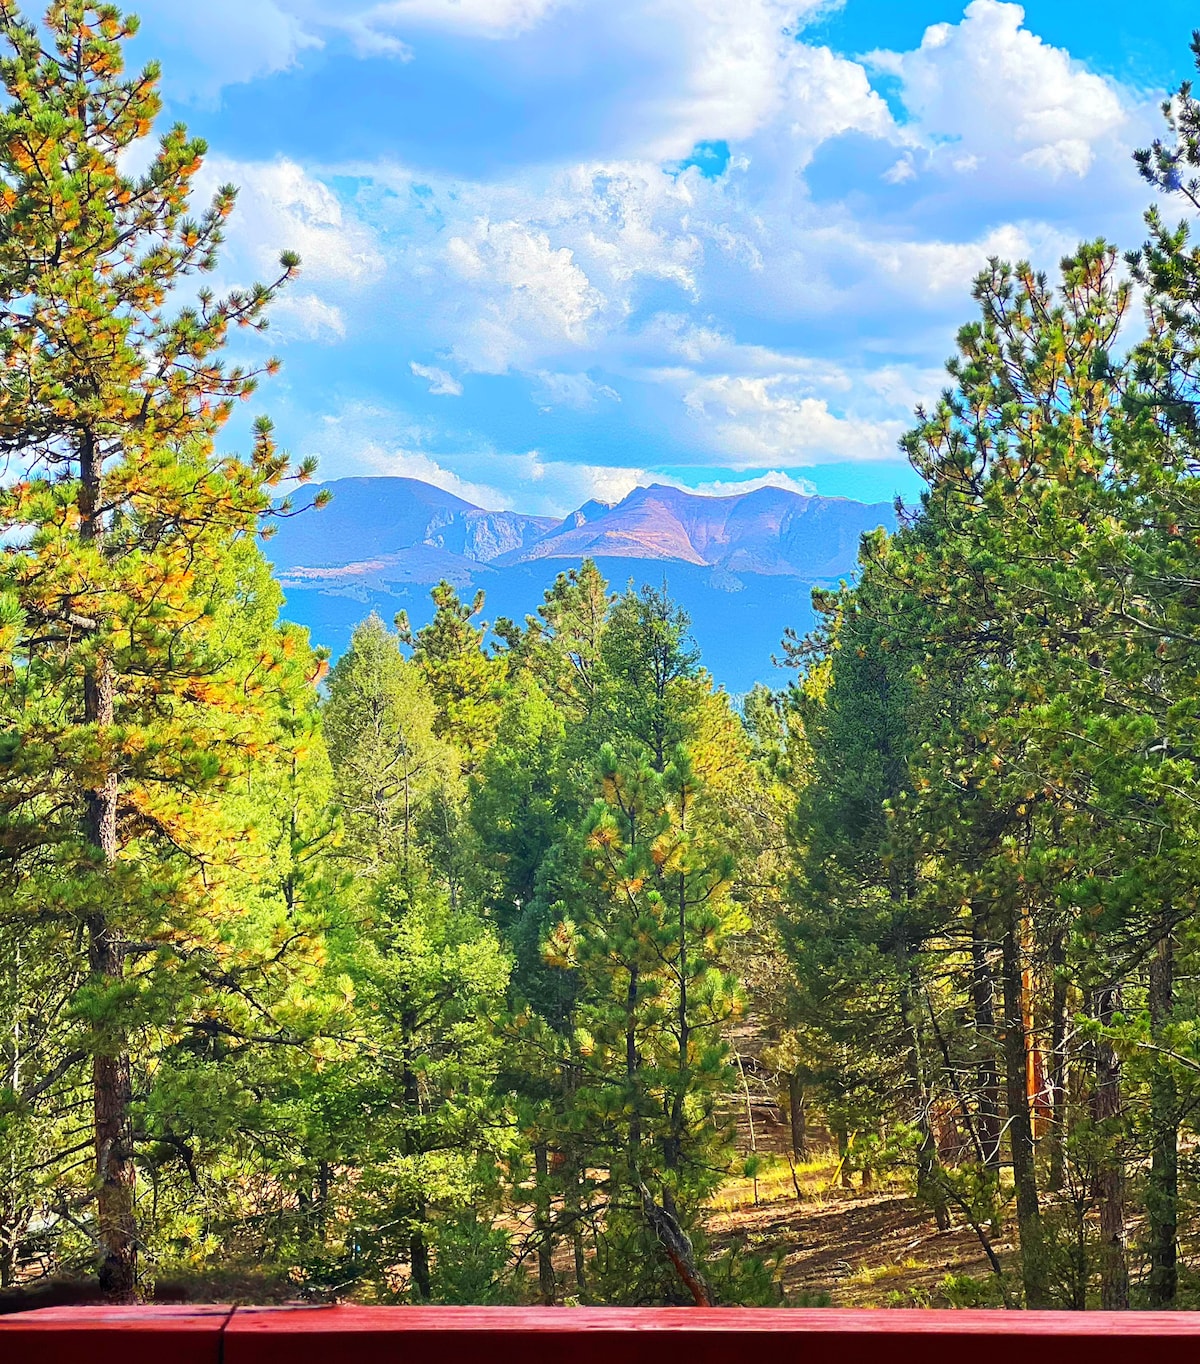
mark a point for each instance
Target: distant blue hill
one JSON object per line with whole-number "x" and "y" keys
{"x": 743, "y": 567}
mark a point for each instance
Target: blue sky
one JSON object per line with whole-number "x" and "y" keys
{"x": 557, "y": 248}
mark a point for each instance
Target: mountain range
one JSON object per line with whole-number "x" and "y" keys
{"x": 743, "y": 566}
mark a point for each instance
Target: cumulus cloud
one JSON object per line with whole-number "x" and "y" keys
{"x": 932, "y": 268}
{"x": 441, "y": 383}
{"x": 366, "y": 437}
{"x": 731, "y": 65}
{"x": 397, "y": 462}
{"x": 282, "y": 207}
{"x": 762, "y": 305}
{"x": 758, "y": 421}
{"x": 827, "y": 95}
{"x": 988, "y": 93}
{"x": 705, "y": 68}
{"x": 547, "y": 488}
{"x": 527, "y": 273}
{"x": 775, "y": 478}
{"x": 282, "y": 204}
{"x": 525, "y": 482}
{"x": 529, "y": 291}
{"x": 675, "y": 335}
{"x": 694, "y": 69}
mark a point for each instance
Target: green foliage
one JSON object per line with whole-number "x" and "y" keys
{"x": 466, "y": 683}
{"x": 428, "y": 988}
{"x": 144, "y": 676}
{"x": 994, "y": 898}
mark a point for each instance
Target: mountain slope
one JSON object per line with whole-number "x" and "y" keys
{"x": 741, "y": 566}
{"x": 770, "y": 530}
{"x": 369, "y": 517}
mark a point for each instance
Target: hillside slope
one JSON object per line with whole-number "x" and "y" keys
{"x": 769, "y": 531}
{"x": 743, "y": 567}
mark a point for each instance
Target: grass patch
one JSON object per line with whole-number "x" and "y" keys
{"x": 873, "y": 1274}
{"x": 775, "y": 1184}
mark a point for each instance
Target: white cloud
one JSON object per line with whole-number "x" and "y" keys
{"x": 710, "y": 70}
{"x": 225, "y": 42}
{"x": 629, "y": 218}
{"x": 768, "y": 317}
{"x": 757, "y": 421}
{"x": 987, "y": 92}
{"x": 376, "y": 29}
{"x": 529, "y": 483}
{"x": 904, "y": 387}
{"x": 515, "y": 482}
{"x": 828, "y": 95}
{"x": 775, "y": 478}
{"x": 364, "y": 437}
{"x": 307, "y": 317}
{"x": 902, "y": 170}
{"x": 528, "y": 290}
{"x": 281, "y": 206}
{"x": 577, "y": 391}
{"x": 709, "y": 347}
{"x": 397, "y": 462}
{"x": 441, "y": 382}
{"x": 705, "y": 69}
{"x": 527, "y": 273}
{"x": 932, "y": 268}
{"x": 730, "y": 66}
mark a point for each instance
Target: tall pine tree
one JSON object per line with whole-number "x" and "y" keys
{"x": 127, "y": 714}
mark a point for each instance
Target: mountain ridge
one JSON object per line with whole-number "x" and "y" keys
{"x": 742, "y": 565}
{"x": 766, "y": 530}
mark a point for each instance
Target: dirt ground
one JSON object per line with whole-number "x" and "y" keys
{"x": 850, "y": 1248}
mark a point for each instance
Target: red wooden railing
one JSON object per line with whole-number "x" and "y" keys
{"x": 584, "y": 1335}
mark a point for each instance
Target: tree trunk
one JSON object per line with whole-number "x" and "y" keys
{"x": 843, "y": 1145}
{"x": 929, "y": 1187}
{"x": 797, "y": 1118}
{"x": 1029, "y": 1221}
{"x": 983, "y": 1000}
{"x": 112, "y": 1095}
{"x": 418, "y": 1248}
{"x": 674, "y": 1240}
{"x": 1162, "y": 1201}
{"x": 1058, "y": 1062}
{"x": 575, "y": 1207}
{"x": 10, "y": 1239}
{"x": 574, "y": 1178}
{"x": 1110, "y": 1175}
{"x": 631, "y": 1074}
{"x": 418, "y": 1254}
{"x": 545, "y": 1240}
{"x": 673, "y": 1154}
{"x": 112, "y": 1086}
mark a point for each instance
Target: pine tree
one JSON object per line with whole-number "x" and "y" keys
{"x": 392, "y": 770}
{"x": 647, "y": 656}
{"x": 416, "y": 1132}
{"x": 654, "y": 1005}
{"x": 561, "y": 645}
{"x": 126, "y": 715}
{"x": 467, "y": 683}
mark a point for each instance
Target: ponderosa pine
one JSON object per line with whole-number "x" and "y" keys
{"x": 128, "y": 716}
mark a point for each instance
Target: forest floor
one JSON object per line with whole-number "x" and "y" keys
{"x": 855, "y": 1247}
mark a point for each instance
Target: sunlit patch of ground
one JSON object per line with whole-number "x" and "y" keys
{"x": 850, "y": 1248}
